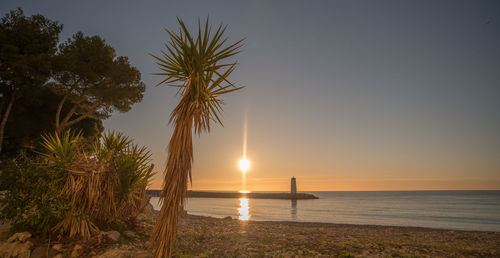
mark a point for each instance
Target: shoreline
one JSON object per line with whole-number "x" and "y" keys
{"x": 331, "y": 224}
{"x": 202, "y": 236}
{"x": 275, "y": 238}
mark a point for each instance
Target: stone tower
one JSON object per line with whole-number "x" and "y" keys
{"x": 293, "y": 188}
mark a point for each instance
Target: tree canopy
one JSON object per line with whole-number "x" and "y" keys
{"x": 33, "y": 117}
{"x": 93, "y": 80}
{"x": 27, "y": 46}
{"x": 47, "y": 86}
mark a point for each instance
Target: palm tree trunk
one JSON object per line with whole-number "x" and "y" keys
{"x": 5, "y": 116}
{"x": 177, "y": 173}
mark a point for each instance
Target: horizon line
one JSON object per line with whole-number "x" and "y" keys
{"x": 403, "y": 190}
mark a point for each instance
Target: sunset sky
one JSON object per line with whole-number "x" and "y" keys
{"x": 343, "y": 95}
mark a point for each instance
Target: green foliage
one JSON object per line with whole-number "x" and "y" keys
{"x": 80, "y": 84}
{"x": 132, "y": 166}
{"x": 27, "y": 45}
{"x": 199, "y": 68}
{"x": 130, "y": 161}
{"x": 93, "y": 80}
{"x": 198, "y": 65}
{"x": 61, "y": 149}
{"x": 70, "y": 190}
{"x": 346, "y": 255}
{"x": 32, "y": 201}
{"x": 111, "y": 144}
{"x": 199, "y": 237}
{"x": 25, "y": 126}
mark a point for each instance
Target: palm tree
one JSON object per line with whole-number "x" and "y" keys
{"x": 199, "y": 68}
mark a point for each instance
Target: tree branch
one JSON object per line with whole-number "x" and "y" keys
{"x": 80, "y": 118}
{"x": 5, "y": 116}
{"x": 70, "y": 114}
{"x": 59, "y": 108}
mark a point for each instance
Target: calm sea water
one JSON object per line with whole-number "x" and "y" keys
{"x": 463, "y": 210}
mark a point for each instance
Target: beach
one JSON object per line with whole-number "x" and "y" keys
{"x": 200, "y": 236}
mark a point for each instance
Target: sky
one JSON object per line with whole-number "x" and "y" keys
{"x": 343, "y": 95}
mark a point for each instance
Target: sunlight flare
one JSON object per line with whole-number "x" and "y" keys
{"x": 244, "y": 165}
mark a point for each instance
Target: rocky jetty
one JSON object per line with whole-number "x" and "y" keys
{"x": 205, "y": 194}
{"x": 286, "y": 196}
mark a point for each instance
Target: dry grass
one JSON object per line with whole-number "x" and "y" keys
{"x": 102, "y": 186}
{"x": 90, "y": 189}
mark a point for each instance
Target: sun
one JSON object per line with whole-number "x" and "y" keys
{"x": 244, "y": 165}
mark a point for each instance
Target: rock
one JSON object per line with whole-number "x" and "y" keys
{"x": 228, "y": 217}
{"x": 112, "y": 235}
{"x": 130, "y": 234}
{"x": 77, "y": 250}
{"x": 58, "y": 247}
{"x": 58, "y": 256}
{"x": 142, "y": 216}
{"x": 42, "y": 252}
{"x": 16, "y": 249}
{"x": 149, "y": 209}
{"x": 21, "y": 237}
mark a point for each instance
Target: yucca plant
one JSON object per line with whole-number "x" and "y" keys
{"x": 103, "y": 185}
{"x": 110, "y": 144}
{"x": 61, "y": 149}
{"x": 133, "y": 171}
{"x": 89, "y": 187}
{"x": 199, "y": 68}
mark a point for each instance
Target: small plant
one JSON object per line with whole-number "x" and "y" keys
{"x": 346, "y": 255}
{"x": 199, "y": 237}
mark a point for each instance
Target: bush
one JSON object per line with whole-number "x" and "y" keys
{"x": 133, "y": 171}
{"x": 73, "y": 189}
{"x": 32, "y": 201}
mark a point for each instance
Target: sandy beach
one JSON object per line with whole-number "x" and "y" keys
{"x": 200, "y": 236}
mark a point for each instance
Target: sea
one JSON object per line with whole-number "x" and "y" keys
{"x": 457, "y": 210}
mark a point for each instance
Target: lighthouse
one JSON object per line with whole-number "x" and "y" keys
{"x": 293, "y": 188}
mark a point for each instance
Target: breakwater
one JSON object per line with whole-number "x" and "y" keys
{"x": 202, "y": 194}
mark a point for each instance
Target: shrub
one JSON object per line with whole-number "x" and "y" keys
{"x": 32, "y": 199}
{"x": 133, "y": 171}
{"x": 74, "y": 190}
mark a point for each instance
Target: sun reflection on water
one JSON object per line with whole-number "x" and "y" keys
{"x": 243, "y": 210}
